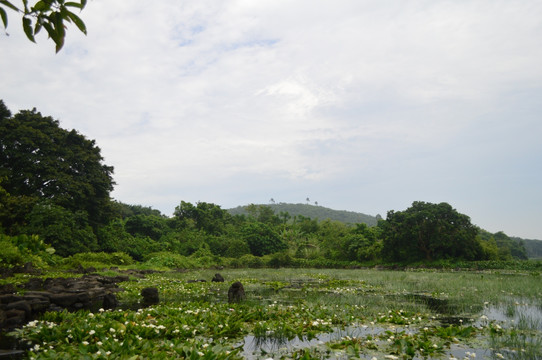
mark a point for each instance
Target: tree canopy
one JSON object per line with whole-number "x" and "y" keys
{"x": 428, "y": 231}
{"x": 41, "y": 161}
{"x": 52, "y": 15}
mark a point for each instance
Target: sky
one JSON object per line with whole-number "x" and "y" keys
{"x": 361, "y": 105}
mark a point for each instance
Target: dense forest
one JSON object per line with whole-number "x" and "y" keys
{"x": 312, "y": 211}
{"x": 55, "y": 202}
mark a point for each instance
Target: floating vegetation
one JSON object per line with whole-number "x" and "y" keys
{"x": 303, "y": 314}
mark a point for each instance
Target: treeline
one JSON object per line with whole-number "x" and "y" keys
{"x": 55, "y": 202}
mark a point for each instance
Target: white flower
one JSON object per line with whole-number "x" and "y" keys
{"x": 111, "y": 330}
{"x": 499, "y": 355}
{"x": 200, "y": 353}
{"x": 99, "y": 343}
{"x": 92, "y": 332}
{"x": 392, "y": 357}
{"x": 85, "y": 343}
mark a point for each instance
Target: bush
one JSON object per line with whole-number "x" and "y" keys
{"x": 20, "y": 249}
{"x": 10, "y": 255}
{"x": 281, "y": 259}
{"x": 117, "y": 258}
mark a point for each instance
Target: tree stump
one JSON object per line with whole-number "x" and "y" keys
{"x": 236, "y": 293}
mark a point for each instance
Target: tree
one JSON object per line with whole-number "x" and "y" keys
{"x": 204, "y": 216}
{"x": 40, "y": 160}
{"x": 261, "y": 239}
{"x": 68, "y": 232}
{"x": 428, "y": 231}
{"x": 52, "y": 15}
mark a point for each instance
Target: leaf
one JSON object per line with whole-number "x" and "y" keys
{"x": 9, "y": 5}
{"x": 4, "y": 17}
{"x": 74, "y": 4}
{"x": 27, "y": 27}
{"x": 77, "y": 21}
{"x": 41, "y": 6}
{"x": 83, "y": 3}
{"x": 37, "y": 28}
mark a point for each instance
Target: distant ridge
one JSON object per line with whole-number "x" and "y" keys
{"x": 314, "y": 212}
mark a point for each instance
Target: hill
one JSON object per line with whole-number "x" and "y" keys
{"x": 533, "y": 247}
{"x": 314, "y": 212}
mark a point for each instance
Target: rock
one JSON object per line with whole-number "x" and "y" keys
{"x": 150, "y": 296}
{"x": 21, "y": 305}
{"x": 34, "y": 284}
{"x": 110, "y": 302}
{"x": 15, "y": 318}
{"x": 236, "y": 293}
{"x": 65, "y": 300}
{"x": 7, "y": 289}
{"x": 218, "y": 278}
{"x": 3, "y": 318}
{"x": 57, "y": 294}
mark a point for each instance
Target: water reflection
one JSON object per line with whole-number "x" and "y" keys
{"x": 515, "y": 313}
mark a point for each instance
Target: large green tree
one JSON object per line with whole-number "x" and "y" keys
{"x": 203, "y": 216}
{"x": 51, "y": 15}
{"x": 428, "y": 231}
{"x": 39, "y": 160}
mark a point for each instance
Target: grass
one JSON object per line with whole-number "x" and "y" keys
{"x": 332, "y": 313}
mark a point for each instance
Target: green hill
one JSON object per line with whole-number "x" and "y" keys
{"x": 314, "y": 212}
{"x": 533, "y": 247}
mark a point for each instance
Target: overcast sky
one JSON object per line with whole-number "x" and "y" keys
{"x": 359, "y": 105}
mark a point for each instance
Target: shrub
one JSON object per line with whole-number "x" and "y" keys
{"x": 117, "y": 258}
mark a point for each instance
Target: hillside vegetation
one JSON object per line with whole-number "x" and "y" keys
{"x": 316, "y": 212}
{"x": 533, "y": 247}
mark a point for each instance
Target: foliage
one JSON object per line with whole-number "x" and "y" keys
{"x": 203, "y": 216}
{"x": 151, "y": 226}
{"x": 20, "y": 249}
{"x": 116, "y": 258}
{"x": 40, "y": 160}
{"x": 287, "y": 211}
{"x": 69, "y": 233}
{"x": 262, "y": 239}
{"x": 297, "y": 314}
{"x": 532, "y": 247}
{"x": 49, "y": 14}
{"x": 428, "y": 231}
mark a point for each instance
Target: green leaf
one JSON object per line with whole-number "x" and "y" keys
{"x": 83, "y": 3}
{"x": 37, "y": 28}
{"x": 27, "y": 27}
{"x": 4, "y": 17}
{"x": 78, "y": 22}
{"x": 41, "y": 6}
{"x": 74, "y": 4}
{"x": 9, "y": 5}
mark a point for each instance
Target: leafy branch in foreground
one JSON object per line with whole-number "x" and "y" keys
{"x": 48, "y": 14}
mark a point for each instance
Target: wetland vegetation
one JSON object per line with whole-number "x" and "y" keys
{"x": 306, "y": 314}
